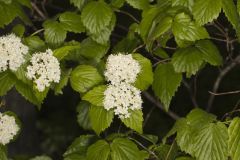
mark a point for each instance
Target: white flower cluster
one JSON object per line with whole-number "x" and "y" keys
{"x": 8, "y": 128}
{"x": 121, "y": 98}
{"x": 44, "y": 69}
{"x": 121, "y": 68}
{"x": 120, "y": 95}
{"x": 12, "y": 52}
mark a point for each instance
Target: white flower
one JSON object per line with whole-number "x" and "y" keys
{"x": 8, "y": 128}
{"x": 122, "y": 98}
{"x": 12, "y": 52}
{"x": 121, "y": 68}
{"x": 44, "y": 69}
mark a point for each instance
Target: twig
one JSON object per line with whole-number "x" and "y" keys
{"x": 191, "y": 93}
{"x": 138, "y": 47}
{"x": 224, "y": 93}
{"x": 219, "y": 79}
{"x": 38, "y": 31}
{"x": 159, "y": 105}
{"x": 40, "y": 13}
{"x": 128, "y": 14}
{"x": 148, "y": 116}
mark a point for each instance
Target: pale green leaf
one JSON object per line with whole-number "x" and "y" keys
{"x": 100, "y": 118}
{"x": 145, "y": 77}
{"x": 95, "y": 96}
{"x": 234, "y": 139}
{"x": 71, "y": 22}
{"x": 84, "y": 77}
{"x": 83, "y": 116}
{"x": 185, "y": 29}
{"x": 231, "y": 13}
{"x": 54, "y": 32}
{"x": 96, "y": 16}
{"x": 117, "y": 3}
{"x": 166, "y": 82}
{"x": 186, "y": 3}
{"x": 61, "y": 52}
{"x": 135, "y": 121}
{"x": 124, "y": 149}
{"x": 211, "y": 142}
{"x": 7, "y": 80}
{"x": 205, "y": 11}
{"x": 99, "y": 151}
{"x": 78, "y": 3}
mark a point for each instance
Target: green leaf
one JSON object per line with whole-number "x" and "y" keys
{"x": 185, "y": 158}
{"x": 135, "y": 121}
{"x": 83, "y": 116}
{"x": 205, "y": 11}
{"x": 166, "y": 152}
{"x": 231, "y": 13}
{"x": 238, "y": 6}
{"x": 35, "y": 43}
{"x": 26, "y": 3}
{"x": 41, "y": 158}
{"x": 234, "y": 138}
{"x": 104, "y": 35}
{"x": 209, "y": 52}
{"x": 98, "y": 151}
{"x": 62, "y": 52}
{"x": 124, "y": 149}
{"x": 139, "y": 4}
{"x": 185, "y": 29}
{"x": 80, "y": 145}
{"x": 92, "y": 50}
{"x": 186, "y": 3}
{"x": 161, "y": 53}
{"x": 19, "y": 30}
{"x": 145, "y": 77}
{"x": 72, "y": 22}
{"x": 187, "y": 60}
{"x": 211, "y": 142}
{"x": 166, "y": 82}
{"x": 3, "y": 154}
{"x": 54, "y": 32}
{"x": 7, "y": 80}
{"x": 95, "y": 96}
{"x": 96, "y": 16}
{"x": 100, "y": 118}
{"x": 117, "y": 3}
{"x": 75, "y": 157}
{"x": 78, "y": 3}
{"x": 65, "y": 75}
{"x": 84, "y": 77}
{"x": 8, "y": 12}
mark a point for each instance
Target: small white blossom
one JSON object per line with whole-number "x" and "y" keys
{"x": 12, "y": 52}
{"x": 44, "y": 69}
{"x": 8, "y": 128}
{"x": 122, "y": 98}
{"x": 121, "y": 68}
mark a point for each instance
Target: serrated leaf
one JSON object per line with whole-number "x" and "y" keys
{"x": 135, "y": 121}
{"x": 187, "y": 60}
{"x": 205, "y": 11}
{"x": 7, "y": 81}
{"x": 96, "y": 16}
{"x": 78, "y": 3}
{"x": 210, "y": 52}
{"x": 161, "y": 53}
{"x": 211, "y": 142}
{"x": 145, "y": 77}
{"x": 124, "y": 149}
{"x": 185, "y": 29}
{"x": 117, "y": 3}
{"x": 35, "y": 43}
{"x": 98, "y": 151}
{"x": 8, "y": 12}
{"x": 166, "y": 82}
{"x": 100, "y": 118}
{"x": 65, "y": 75}
{"x": 72, "y": 22}
{"x": 84, "y": 77}
{"x": 186, "y": 3}
{"x": 234, "y": 139}
{"x": 139, "y": 4}
{"x": 80, "y": 145}
{"x": 231, "y": 13}
{"x": 95, "y": 96}
{"x": 54, "y": 32}
{"x": 62, "y": 52}
{"x": 166, "y": 152}
{"x": 83, "y": 116}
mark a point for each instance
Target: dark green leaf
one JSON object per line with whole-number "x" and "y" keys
{"x": 19, "y": 30}
{"x": 83, "y": 116}
{"x": 3, "y": 153}
{"x": 99, "y": 151}
{"x": 166, "y": 152}
{"x": 35, "y": 43}
{"x": 60, "y": 53}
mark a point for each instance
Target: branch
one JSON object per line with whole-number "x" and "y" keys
{"x": 222, "y": 74}
{"x": 159, "y": 105}
{"x": 224, "y": 93}
{"x": 40, "y": 13}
